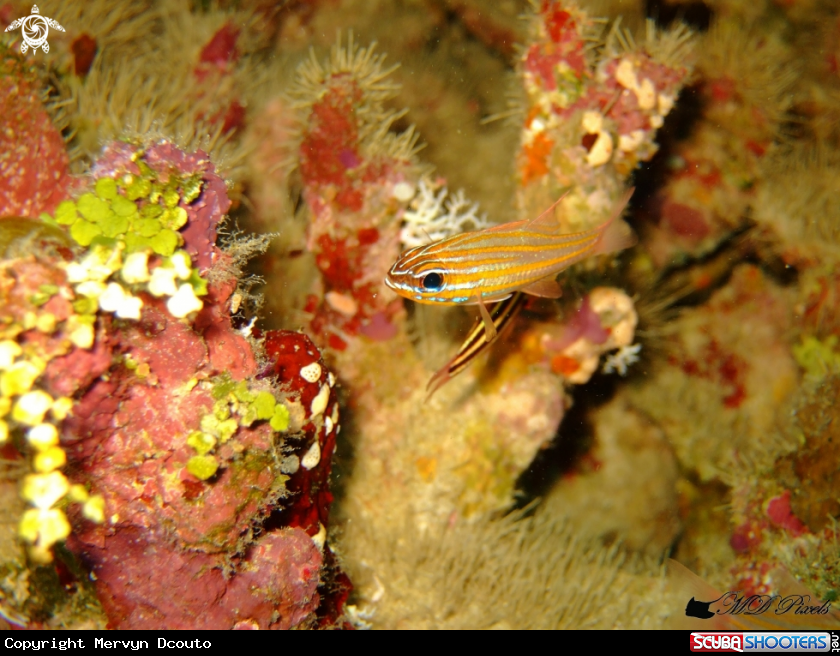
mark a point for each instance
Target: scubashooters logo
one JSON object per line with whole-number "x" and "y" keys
{"x": 783, "y": 641}
{"x": 34, "y": 29}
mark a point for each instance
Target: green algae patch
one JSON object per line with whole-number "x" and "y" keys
{"x": 140, "y": 211}
{"x": 817, "y": 358}
{"x": 201, "y": 442}
{"x": 202, "y": 467}
{"x": 280, "y": 420}
{"x": 264, "y": 405}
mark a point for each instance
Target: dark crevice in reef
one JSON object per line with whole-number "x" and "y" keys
{"x": 572, "y": 442}
{"x": 697, "y": 15}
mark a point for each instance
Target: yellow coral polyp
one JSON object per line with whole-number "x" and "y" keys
{"x": 19, "y": 378}
{"x": 162, "y": 282}
{"x": 61, "y": 408}
{"x": 184, "y": 302}
{"x": 202, "y": 467}
{"x": 80, "y": 331}
{"x": 44, "y": 490}
{"x": 182, "y": 264}
{"x": 49, "y": 460}
{"x": 136, "y": 268}
{"x": 46, "y": 323}
{"x": 94, "y": 509}
{"x": 31, "y": 407}
{"x": 44, "y": 527}
{"x": 121, "y": 302}
{"x": 78, "y": 493}
{"x": 43, "y": 436}
{"x": 9, "y": 350}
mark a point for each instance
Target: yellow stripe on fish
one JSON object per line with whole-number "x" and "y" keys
{"x": 489, "y": 265}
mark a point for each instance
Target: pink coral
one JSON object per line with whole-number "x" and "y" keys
{"x": 275, "y": 586}
{"x": 34, "y": 165}
{"x": 350, "y": 167}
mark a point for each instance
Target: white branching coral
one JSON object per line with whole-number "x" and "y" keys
{"x": 435, "y": 216}
{"x": 619, "y": 361}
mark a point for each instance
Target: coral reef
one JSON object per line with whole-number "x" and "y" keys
{"x": 179, "y": 441}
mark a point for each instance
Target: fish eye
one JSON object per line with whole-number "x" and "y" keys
{"x": 432, "y": 282}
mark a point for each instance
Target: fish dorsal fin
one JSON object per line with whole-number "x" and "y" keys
{"x": 546, "y": 222}
{"x": 545, "y": 288}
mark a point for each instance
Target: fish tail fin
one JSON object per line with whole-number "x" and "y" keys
{"x": 616, "y": 235}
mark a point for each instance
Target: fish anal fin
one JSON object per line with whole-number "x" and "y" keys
{"x": 545, "y": 288}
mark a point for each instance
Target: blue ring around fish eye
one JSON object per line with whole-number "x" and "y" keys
{"x": 432, "y": 282}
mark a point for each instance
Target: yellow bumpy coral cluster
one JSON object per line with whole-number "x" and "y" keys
{"x": 128, "y": 230}
{"x": 235, "y": 405}
{"x": 23, "y": 405}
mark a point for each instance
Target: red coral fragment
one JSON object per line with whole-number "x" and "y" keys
{"x": 556, "y": 22}
{"x": 221, "y": 49}
{"x": 728, "y": 369}
{"x": 330, "y": 147}
{"x": 84, "y": 50}
{"x": 34, "y": 165}
{"x": 780, "y": 513}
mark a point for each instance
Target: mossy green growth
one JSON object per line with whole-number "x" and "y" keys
{"x": 139, "y": 210}
{"x": 106, "y": 188}
{"x": 202, "y": 467}
{"x": 201, "y": 442}
{"x": 224, "y": 430}
{"x": 817, "y": 358}
{"x": 264, "y": 405}
{"x": 250, "y": 406}
{"x": 198, "y": 283}
{"x": 85, "y": 305}
{"x": 191, "y": 188}
{"x": 222, "y": 386}
{"x": 242, "y": 393}
{"x": 84, "y": 232}
{"x": 280, "y": 419}
{"x": 44, "y": 294}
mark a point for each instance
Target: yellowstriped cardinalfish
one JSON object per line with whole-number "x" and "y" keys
{"x": 486, "y": 266}
{"x": 497, "y": 264}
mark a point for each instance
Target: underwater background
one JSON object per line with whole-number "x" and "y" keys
{"x": 206, "y": 386}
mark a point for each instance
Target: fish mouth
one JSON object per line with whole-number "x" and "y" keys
{"x": 389, "y": 284}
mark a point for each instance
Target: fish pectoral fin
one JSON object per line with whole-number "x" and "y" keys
{"x": 489, "y": 327}
{"x": 545, "y": 288}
